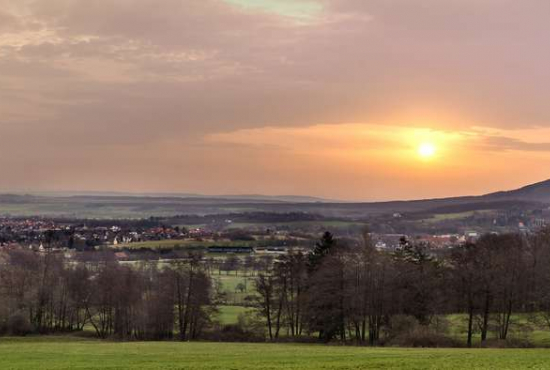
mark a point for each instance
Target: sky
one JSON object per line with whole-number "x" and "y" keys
{"x": 331, "y": 98}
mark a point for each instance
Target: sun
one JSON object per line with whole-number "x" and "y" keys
{"x": 427, "y": 150}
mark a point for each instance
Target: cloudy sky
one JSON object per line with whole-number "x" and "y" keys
{"x": 330, "y": 98}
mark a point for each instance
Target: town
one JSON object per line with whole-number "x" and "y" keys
{"x": 257, "y": 232}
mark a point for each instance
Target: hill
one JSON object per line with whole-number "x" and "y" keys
{"x": 535, "y": 196}
{"x": 538, "y": 192}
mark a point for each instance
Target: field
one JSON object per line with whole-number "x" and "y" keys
{"x": 330, "y": 224}
{"x": 230, "y": 314}
{"x": 188, "y": 243}
{"x": 61, "y": 353}
{"x": 439, "y": 217}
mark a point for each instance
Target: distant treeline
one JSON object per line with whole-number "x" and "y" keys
{"x": 242, "y": 217}
{"x": 340, "y": 291}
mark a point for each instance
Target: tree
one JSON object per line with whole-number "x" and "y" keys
{"x": 265, "y": 301}
{"x": 326, "y": 289}
{"x": 466, "y": 282}
{"x": 193, "y": 296}
{"x": 368, "y": 290}
{"x": 231, "y": 263}
{"x": 322, "y": 249}
{"x": 419, "y": 276}
{"x": 291, "y": 276}
{"x": 539, "y": 300}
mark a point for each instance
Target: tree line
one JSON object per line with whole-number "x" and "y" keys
{"x": 339, "y": 291}
{"x": 43, "y": 293}
{"x": 354, "y": 293}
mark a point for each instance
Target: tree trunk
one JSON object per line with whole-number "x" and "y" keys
{"x": 485, "y": 324}
{"x": 470, "y": 325}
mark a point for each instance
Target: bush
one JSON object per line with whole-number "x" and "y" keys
{"x": 234, "y": 333}
{"x": 440, "y": 324}
{"x": 18, "y": 325}
{"x": 247, "y": 329}
{"x": 401, "y": 324}
{"x": 423, "y": 336}
{"x": 509, "y": 343}
{"x": 406, "y": 331}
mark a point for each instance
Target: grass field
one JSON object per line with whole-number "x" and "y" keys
{"x": 455, "y": 216}
{"x": 60, "y": 353}
{"x": 229, "y": 283}
{"x": 188, "y": 243}
{"x": 230, "y": 314}
{"x": 336, "y": 224}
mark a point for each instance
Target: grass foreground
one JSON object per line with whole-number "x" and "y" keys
{"x": 70, "y": 353}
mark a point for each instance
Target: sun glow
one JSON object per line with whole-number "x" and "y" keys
{"x": 427, "y": 150}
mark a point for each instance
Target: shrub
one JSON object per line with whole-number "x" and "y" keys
{"x": 406, "y": 331}
{"x": 235, "y": 333}
{"x": 401, "y": 324}
{"x": 423, "y": 336}
{"x": 247, "y": 329}
{"x": 18, "y": 325}
{"x": 509, "y": 343}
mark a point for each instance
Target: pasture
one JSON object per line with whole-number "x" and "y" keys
{"x": 441, "y": 217}
{"x": 69, "y": 353}
{"x": 318, "y": 224}
{"x": 230, "y": 314}
{"x": 188, "y": 243}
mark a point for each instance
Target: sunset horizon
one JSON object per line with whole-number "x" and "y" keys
{"x": 243, "y": 195}
{"x": 340, "y": 99}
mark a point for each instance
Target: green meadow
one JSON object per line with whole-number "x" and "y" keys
{"x": 188, "y": 243}
{"x": 64, "y": 353}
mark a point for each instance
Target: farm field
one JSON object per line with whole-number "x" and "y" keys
{"x": 438, "y": 217}
{"x": 67, "y": 353}
{"x": 193, "y": 244}
{"x": 297, "y": 224}
{"x": 171, "y": 243}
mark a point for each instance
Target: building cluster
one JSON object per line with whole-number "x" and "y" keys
{"x": 391, "y": 242}
{"x": 36, "y": 233}
{"x": 72, "y": 234}
{"x": 40, "y": 234}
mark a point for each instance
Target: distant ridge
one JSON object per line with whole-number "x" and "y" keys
{"x": 538, "y": 192}
{"x": 132, "y": 205}
{"x": 243, "y": 197}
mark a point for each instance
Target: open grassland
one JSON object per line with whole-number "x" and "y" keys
{"x": 230, "y": 314}
{"x": 59, "y": 353}
{"x": 439, "y": 217}
{"x": 334, "y": 224}
{"x": 188, "y": 243}
{"x": 194, "y": 244}
{"x": 230, "y": 286}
